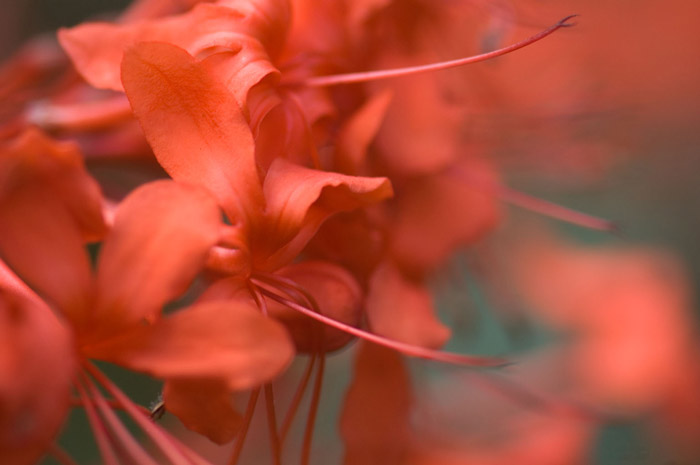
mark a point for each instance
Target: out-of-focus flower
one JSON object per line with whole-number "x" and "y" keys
{"x": 37, "y": 366}
{"x": 630, "y": 348}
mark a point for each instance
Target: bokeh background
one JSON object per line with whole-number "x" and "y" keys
{"x": 610, "y": 110}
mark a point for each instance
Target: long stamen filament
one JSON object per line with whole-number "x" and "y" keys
{"x": 272, "y": 424}
{"x": 109, "y": 456}
{"x": 247, "y": 417}
{"x": 405, "y": 348}
{"x": 296, "y": 400}
{"x": 113, "y": 404}
{"x": 348, "y": 78}
{"x": 553, "y": 210}
{"x": 313, "y": 411}
{"x": 132, "y": 448}
{"x": 175, "y": 451}
{"x": 531, "y": 203}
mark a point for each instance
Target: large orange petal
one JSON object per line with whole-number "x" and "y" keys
{"x": 97, "y": 48}
{"x": 300, "y": 199}
{"x": 37, "y": 365}
{"x": 225, "y": 340}
{"x": 376, "y": 415}
{"x": 203, "y": 406}
{"x": 161, "y": 237}
{"x": 403, "y": 310}
{"x": 196, "y": 128}
{"x": 49, "y": 206}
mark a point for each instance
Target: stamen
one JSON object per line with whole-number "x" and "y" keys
{"x": 553, "y": 210}
{"x": 313, "y": 411}
{"x": 405, "y": 348}
{"x": 77, "y": 402}
{"x": 296, "y": 400}
{"x": 291, "y": 288}
{"x": 107, "y": 452}
{"x": 259, "y": 300}
{"x": 337, "y": 79}
{"x": 247, "y": 417}
{"x": 124, "y": 438}
{"x": 534, "y": 204}
{"x": 272, "y": 424}
{"x": 174, "y": 450}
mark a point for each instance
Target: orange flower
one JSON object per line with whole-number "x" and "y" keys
{"x": 160, "y": 239}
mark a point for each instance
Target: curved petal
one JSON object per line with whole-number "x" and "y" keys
{"x": 299, "y": 200}
{"x": 403, "y": 310}
{"x": 203, "y": 406}
{"x": 97, "y": 48}
{"x": 194, "y": 125}
{"x": 338, "y": 296}
{"x": 224, "y": 340}
{"x": 161, "y": 237}
{"x": 37, "y": 365}
{"x": 375, "y": 420}
{"x": 49, "y": 207}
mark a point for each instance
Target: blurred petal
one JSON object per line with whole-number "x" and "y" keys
{"x": 403, "y": 310}
{"x": 49, "y": 206}
{"x": 203, "y": 406}
{"x": 421, "y": 109}
{"x": 161, "y": 237}
{"x": 37, "y": 365}
{"x": 360, "y": 130}
{"x": 615, "y": 302}
{"x": 220, "y": 340}
{"x": 300, "y": 199}
{"x": 338, "y": 296}
{"x": 352, "y": 240}
{"x": 437, "y": 214}
{"x": 194, "y": 125}
{"x": 375, "y": 420}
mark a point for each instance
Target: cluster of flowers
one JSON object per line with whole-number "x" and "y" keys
{"x": 309, "y": 205}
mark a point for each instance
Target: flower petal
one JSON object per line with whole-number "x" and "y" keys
{"x": 436, "y": 215}
{"x": 161, "y": 238}
{"x": 224, "y": 340}
{"x": 194, "y": 125}
{"x": 203, "y": 406}
{"x": 403, "y": 310}
{"x": 359, "y": 131}
{"x": 49, "y": 206}
{"x": 37, "y": 365}
{"x": 615, "y": 302}
{"x": 300, "y": 199}
{"x": 376, "y": 415}
{"x": 97, "y": 48}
